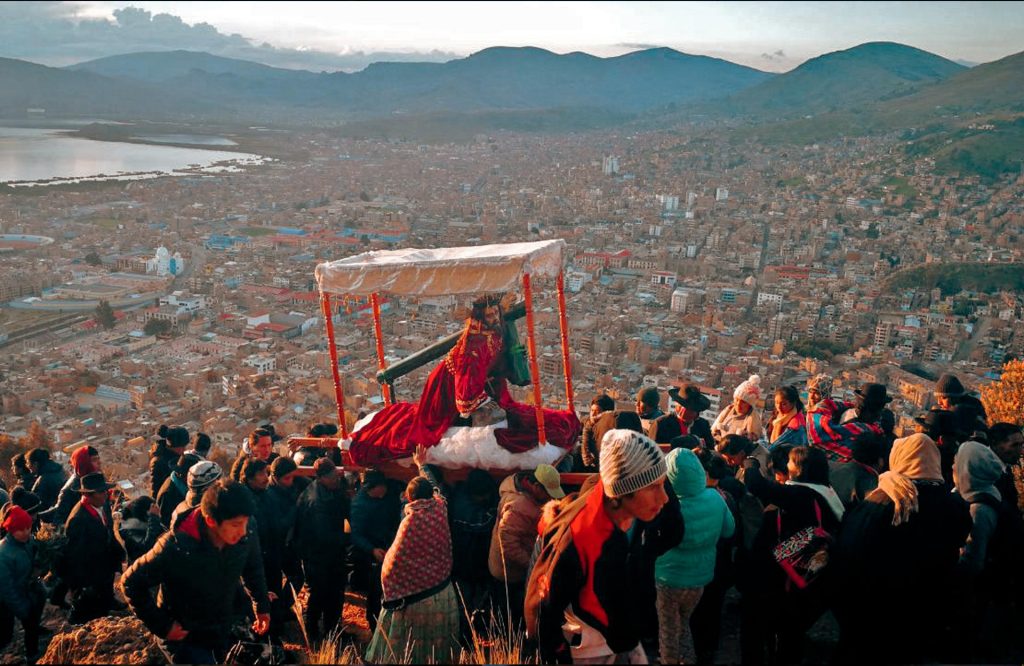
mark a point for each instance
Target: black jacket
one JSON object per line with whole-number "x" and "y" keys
{"x": 471, "y": 525}
{"x": 320, "y": 537}
{"x": 588, "y": 563}
{"x": 136, "y": 536}
{"x": 911, "y": 566}
{"x": 375, "y": 521}
{"x": 161, "y": 461}
{"x": 272, "y": 536}
{"x": 168, "y": 499}
{"x": 197, "y": 582}
{"x": 66, "y": 500}
{"x": 92, "y": 553}
{"x": 47, "y": 486}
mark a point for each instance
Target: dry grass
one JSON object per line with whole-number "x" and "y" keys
{"x": 498, "y": 646}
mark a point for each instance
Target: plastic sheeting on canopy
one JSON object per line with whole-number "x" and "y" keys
{"x": 441, "y": 271}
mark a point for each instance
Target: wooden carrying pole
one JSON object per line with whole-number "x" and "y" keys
{"x": 339, "y": 394}
{"x": 563, "y": 326}
{"x": 531, "y": 349}
{"x": 385, "y": 387}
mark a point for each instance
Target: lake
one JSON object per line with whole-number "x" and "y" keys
{"x": 29, "y": 154}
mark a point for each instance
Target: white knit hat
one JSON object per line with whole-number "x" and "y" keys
{"x": 629, "y": 461}
{"x": 749, "y": 391}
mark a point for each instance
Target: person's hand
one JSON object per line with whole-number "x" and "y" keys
{"x": 176, "y": 633}
{"x": 262, "y": 623}
{"x": 272, "y": 596}
{"x": 379, "y": 553}
{"x": 419, "y": 456}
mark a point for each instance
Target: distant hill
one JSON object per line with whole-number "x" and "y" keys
{"x": 25, "y": 85}
{"x": 160, "y": 66}
{"x": 843, "y": 80}
{"x": 494, "y": 79}
{"x": 994, "y": 86}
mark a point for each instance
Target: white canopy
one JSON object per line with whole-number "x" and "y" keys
{"x": 440, "y": 271}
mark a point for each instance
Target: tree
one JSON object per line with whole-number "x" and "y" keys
{"x": 93, "y": 259}
{"x": 157, "y": 327}
{"x": 1004, "y": 399}
{"x": 104, "y": 315}
{"x": 36, "y": 437}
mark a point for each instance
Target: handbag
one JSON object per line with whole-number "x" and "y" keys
{"x": 804, "y": 555}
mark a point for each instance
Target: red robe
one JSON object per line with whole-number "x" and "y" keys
{"x": 457, "y": 385}
{"x": 561, "y": 426}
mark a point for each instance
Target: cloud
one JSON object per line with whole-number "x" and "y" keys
{"x": 638, "y": 45}
{"x": 775, "y": 55}
{"x": 63, "y": 33}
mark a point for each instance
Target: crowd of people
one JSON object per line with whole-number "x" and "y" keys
{"x": 811, "y": 507}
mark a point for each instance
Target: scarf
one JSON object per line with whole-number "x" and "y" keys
{"x": 913, "y": 459}
{"x": 826, "y": 493}
{"x": 421, "y": 555}
{"x": 978, "y": 469}
{"x": 779, "y": 423}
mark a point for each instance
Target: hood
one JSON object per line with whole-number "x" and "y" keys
{"x": 685, "y": 473}
{"x": 977, "y": 470}
{"x": 81, "y": 461}
{"x": 508, "y": 486}
{"x": 190, "y": 525}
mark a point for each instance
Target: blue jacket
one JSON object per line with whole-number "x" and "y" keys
{"x": 17, "y": 585}
{"x": 707, "y": 519}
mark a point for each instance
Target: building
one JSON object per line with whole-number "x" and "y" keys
{"x": 883, "y": 333}
{"x": 687, "y": 299}
{"x": 610, "y": 165}
{"x": 721, "y": 194}
{"x": 164, "y": 263}
{"x": 770, "y": 301}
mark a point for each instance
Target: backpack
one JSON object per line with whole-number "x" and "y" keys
{"x": 805, "y": 555}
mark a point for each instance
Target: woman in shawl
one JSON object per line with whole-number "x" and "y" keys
{"x": 895, "y": 559}
{"x": 420, "y": 620}
{"x": 784, "y": 612}
{"x": 788, "y": 426}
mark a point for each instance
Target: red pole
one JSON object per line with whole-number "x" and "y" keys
{"x": 381, "y": 365}
{"x": 531, "y": 350}
{"x": 563, "y": 326}
{"x": 339, "y": 394}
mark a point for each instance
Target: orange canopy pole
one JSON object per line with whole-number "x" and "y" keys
{"x": 381, "y": 365}
{"x": 563, "y": 326}
{"x": 531, "y": 350}
{"x": 339, "y": 393}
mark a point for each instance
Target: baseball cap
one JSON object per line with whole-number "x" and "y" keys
{"x": 549, "y": 477}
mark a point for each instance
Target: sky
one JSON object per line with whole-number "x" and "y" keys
{"x": 772, "y": 36}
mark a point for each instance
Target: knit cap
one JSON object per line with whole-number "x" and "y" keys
{"x": 822, "y": 383}
{"x": 749, "y": 391}
{"x": 16, "y": 519}
{"x": 629, "y": 462}
{"x": 949, "y": 386}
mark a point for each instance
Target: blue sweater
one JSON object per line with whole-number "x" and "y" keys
{"x": 707, "y": 519}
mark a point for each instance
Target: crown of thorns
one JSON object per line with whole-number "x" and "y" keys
{"x": 488, "y": 300}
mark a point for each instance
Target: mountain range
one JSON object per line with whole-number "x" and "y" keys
{"x": 500, "y": 86}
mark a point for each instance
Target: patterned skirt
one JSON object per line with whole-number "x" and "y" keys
{"x": 426, "y": 632}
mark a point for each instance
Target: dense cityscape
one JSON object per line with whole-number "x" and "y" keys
{"x": 693, "y": 258}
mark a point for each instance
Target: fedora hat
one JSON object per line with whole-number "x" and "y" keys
{"x": 94, "y": 483}
{"x": 874, "y": 394}
{"x": 690, "y": 397}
